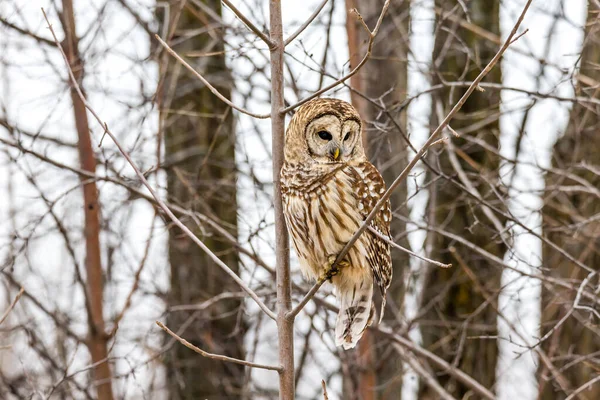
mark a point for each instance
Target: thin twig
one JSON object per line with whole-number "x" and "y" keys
{"x": 136, "y": 283}
{"x": 423, "y": 373}
{"x": 205, "y": 304}
{"x": 571, "y": 310}
{"x": 208, "y": 85}
{"x": 159, "y": 201}
{"x": 12, "y": 305}
{"x": 440, "y": 362}
{"x": 25, "y": 32}
{"x": 249, "y": 24}
{"x": 583, "y": 387}
{"x": 425, "y": 354}
{"x": 305, "y": 24}
{"x": 215, "y": 356}
{"x": 324, "y": 386}
{"x": 143, "y": 195}
{"x": 311, "y": 293}
{"x": 462, "y": 176}
{"x": 404, "y": 174}
{"x": 362, "y": 62}
{"x": 397, "y": 246}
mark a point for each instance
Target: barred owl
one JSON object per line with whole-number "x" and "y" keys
{"x": 329, "y": 188}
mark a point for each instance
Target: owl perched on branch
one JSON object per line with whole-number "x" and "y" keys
{"x": 329, "y": 188}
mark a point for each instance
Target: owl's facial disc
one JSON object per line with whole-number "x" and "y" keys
{"x": 331, "y": 140}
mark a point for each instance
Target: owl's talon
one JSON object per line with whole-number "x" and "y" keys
{"x": 331, "y": 273}
{"x": 330, "y": 270}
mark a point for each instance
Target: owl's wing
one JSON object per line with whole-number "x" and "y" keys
{"x": 369, "y": 189}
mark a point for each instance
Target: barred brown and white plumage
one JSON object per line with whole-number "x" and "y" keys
{"x": 329, "y": 188}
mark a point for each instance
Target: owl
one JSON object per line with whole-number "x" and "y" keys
{"x": 328, "y": 189}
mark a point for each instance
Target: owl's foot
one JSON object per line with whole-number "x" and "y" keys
{"x": 329, "y": 270}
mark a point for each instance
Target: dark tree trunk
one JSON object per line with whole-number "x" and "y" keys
{"x": 571, "y": 222}
{"x": 454, "y": 300}
{"x": 199, "y": 140}
{"x": 383, "y": 79}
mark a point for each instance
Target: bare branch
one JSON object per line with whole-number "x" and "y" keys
{"x": 397, "y": 246}
{"x": 423, "y": 373}
{"x": 28, "y": 33}
{"x": 12, "y": 305}
{"x": 583, "y": 387}
{"x": 305, "y": 24}
{"x": 311, "y": 293}
{"x": 134, "y": 287}
{"x": 143, "y": 195}
{"x": 471, "y": 188}
{"x": 440, "y": 362}
{"x": 571, "y": 310}
{"x": 372, "y": 35}
{"x": 159, "y": 201}
{"x": 324, "y": 386}
{"x": 249, "y": 23}
{"x": 432, "y": 139}
{"x": 208, "y": 85}
{"x": 215, "y": 356}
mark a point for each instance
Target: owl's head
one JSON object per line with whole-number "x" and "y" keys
{"x": 325, "y": 131}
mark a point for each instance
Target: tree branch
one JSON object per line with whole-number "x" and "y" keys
{"x": 159, "y": 201}
{"x": 423, "y": 373}
{"x": 440, "y": 362}
{"x": 372, "y": 35}
{"x": 12, "y": 305}
{"x": 397, "y": 246}
{"x": 216, "y": 356}
{"x": 404, "y": 174}
{"x": 28, "y": 33}
{"x": 249, "y": 24}
{"x": 305, "y": 24}
{"x": 208, "y": 85}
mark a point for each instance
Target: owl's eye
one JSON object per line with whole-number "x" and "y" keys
{"x": 347, "y": 136}
{"x": 325, "y": 135}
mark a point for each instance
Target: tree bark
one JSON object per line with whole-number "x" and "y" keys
{"x": 285, "y": 326}
{"x": 383, "y": 80}
{"x": 569, "y": 222}
{"x": 453, "y": 299}
{"x": 97, "y": 338}
{"x": 199, "y": 140}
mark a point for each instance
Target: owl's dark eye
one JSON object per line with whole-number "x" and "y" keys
{"x": 325, "y": 135}
{"x": 347, "y": 136}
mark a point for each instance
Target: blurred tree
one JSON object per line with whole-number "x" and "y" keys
{"x": 97, "y": 340}
{"x": 571, "y": 210}
{"x": 459, "y": 302}
{"x": 379, "y": 370}
{"x": 199, "y": 140}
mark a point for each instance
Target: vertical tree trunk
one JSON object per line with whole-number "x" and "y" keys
{"x": 285, "y": 326}
{"x": 199, "y": 141}
{"x": 97, "y": 337}
{"x": 570, "y": 221}
{"x": 382, "y": 79}
{"x": 454, "y": 305}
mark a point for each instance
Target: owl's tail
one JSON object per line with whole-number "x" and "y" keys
{"x": 356, "y": 313}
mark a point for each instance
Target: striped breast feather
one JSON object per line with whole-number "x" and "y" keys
{"x": 319, "y": 219}
{"x": 336, "y": 216}
{"x": 368, "y": 190}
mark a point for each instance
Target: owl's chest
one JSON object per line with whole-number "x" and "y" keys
{"x": 311, "y": 197}
{"x": 321, "y": 218}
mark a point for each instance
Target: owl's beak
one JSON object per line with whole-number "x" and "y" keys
{"x": 335, "y": 153}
